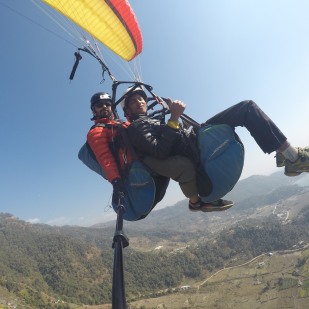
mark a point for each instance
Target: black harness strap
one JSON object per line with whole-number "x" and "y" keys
{"x": 126, "y": 141}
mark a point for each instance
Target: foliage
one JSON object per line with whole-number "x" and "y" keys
{"x": 286, "y": 283}
{"x": 40, "y": 264}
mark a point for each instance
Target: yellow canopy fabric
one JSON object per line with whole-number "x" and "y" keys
{"x": 112, "y": 22}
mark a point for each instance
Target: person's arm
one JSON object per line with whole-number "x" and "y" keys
{"x": 98, "y": 140}
{"x": 176, "y": 109}
{"x": 149, "y": 138}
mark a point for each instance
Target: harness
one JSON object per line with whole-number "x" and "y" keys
{"x": 143, "y": 190}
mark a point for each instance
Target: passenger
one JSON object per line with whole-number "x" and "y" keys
{"x": 167, "y": 149}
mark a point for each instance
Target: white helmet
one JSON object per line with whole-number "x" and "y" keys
{"x": 129, "y": 92}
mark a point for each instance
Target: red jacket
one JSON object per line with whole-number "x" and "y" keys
{"x": 99, "y": 139}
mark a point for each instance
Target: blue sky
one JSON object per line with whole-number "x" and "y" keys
{"x": 210, "y": 54}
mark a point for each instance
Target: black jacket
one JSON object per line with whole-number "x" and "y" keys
{"x": 149, "y": 137}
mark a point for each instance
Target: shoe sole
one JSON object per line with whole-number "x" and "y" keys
{"x": 210, "y": 209}
{"x": 291, "y": 174}
{"x": 298, "y": 172}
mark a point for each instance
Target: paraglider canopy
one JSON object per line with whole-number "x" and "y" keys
{"x": 112, "y": 22}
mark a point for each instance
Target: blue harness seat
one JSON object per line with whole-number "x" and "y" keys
{"x": 222, "y": 157}
{"x": 140, "y": 187}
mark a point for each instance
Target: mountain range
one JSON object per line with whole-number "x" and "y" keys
{"x": 42, "y": 266}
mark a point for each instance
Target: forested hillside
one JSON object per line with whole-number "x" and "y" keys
{"x": 38, "y": 260}
{"x": 55, "y": 267}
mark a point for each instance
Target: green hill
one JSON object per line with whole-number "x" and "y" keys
{"x": 37, "y": 260}
{"x": 63, "y": 267}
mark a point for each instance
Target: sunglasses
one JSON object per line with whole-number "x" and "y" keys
{"x": 101, "y": 103}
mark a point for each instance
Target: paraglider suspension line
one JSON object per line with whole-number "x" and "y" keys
{"x": 91, "y": 52}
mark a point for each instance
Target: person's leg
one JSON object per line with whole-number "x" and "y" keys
{"x": 178, "y": 168}
{"x": 182, "y": 170}
{"x": 267, "y": 135}
{"x": 248, "y": 114}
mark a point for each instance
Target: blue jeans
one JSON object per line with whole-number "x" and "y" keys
{"x": 248, "y": 114}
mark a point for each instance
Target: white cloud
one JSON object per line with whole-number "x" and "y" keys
{"x": 33, "y": 221}
{"x": 59, "y": 221}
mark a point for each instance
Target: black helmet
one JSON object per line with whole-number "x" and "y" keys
{"x": 98, "y": 97}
